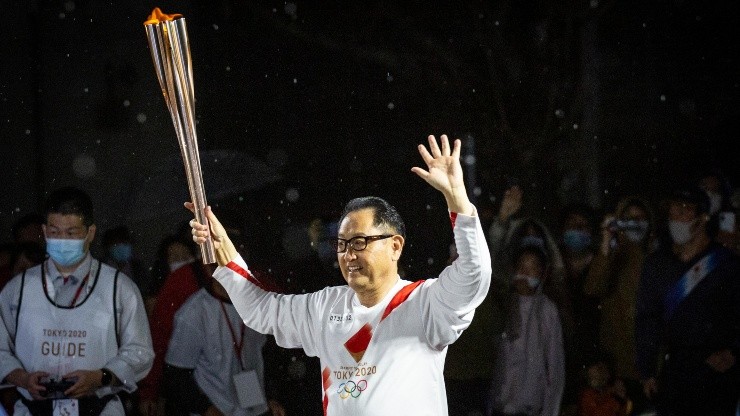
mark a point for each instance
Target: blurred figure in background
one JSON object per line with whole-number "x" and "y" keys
{"x": 510, "y": 230}
{"x": 29, "y": 229}
{"x": 581, "y": 312}
{"x": 529, "y": 372}
{"x": 22, "y": 252}
{"x": 27, "y": 249}
{"x": 173, "y": 252}
{"x": 210, "y": 371}
{"x": 688, "y": 316}
{"x": 186, "y": 277}
{"x": 118, "y": 251}
{"x": 627, "y": 237}
{"x": 604, "y": 394}
{"x": 723, "y": 216}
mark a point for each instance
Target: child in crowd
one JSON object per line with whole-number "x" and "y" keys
{"x": 529, "y": 374}
{"x": 604, "y": 395}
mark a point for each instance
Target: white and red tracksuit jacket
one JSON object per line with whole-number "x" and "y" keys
{"x": 383, "y": 360}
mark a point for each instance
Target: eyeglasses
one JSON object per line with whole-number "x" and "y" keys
{"x": 358, "y": 243}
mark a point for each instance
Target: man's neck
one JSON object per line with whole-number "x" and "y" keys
{"x": 691, "y": 249}
{"x": 371, "y": 298}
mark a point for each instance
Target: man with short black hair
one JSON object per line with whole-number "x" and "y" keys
{"x": 74, "y": 330}
{"x": 688, "y": 316}
{"x": 381, "y": 340}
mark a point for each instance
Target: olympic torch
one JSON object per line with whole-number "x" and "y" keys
{"x": 168, "y": 42}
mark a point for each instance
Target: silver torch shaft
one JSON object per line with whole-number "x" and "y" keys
{"x": 170, "y": 48}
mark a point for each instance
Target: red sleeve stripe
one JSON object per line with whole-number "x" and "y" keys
{"x": 400, "y": 297}
{"x": 453, "y": 218}
{"x": 245, "y": 273}
{"x": 326, "y": 382}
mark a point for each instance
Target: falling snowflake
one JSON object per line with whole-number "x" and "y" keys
{"x": 84, "y": 166}
{"x": 292, "y": 194}
{"x": 291, "y": 10}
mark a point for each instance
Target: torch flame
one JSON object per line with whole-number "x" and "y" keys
{"x": 158, "y": 17}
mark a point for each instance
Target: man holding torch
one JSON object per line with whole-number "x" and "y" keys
{"x": 381, "y": 340}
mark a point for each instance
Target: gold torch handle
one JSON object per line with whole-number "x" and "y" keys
{"x": 170, "y": 48}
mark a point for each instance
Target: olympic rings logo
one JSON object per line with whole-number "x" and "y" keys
{"x": 351, "y": 389}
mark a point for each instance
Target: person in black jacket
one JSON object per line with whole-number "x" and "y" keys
{"x": 688, "y": 316}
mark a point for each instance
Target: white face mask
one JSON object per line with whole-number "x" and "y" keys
{"x": 177, "y": 264}
{"x": 637, "y": 233}
{"x": 635, "y": 236}
{"x": 715, "y": 202}
{"x": 681, "y": 232}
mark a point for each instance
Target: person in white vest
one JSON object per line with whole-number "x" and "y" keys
{"x": 74, "y": 331}
{"x": 381, "y": 340}
{"x": 214, "y": 362}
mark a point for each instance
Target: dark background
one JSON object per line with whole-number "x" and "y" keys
{"x": 581, "y": 101}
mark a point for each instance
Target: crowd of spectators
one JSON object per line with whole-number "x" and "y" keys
{"x": 629, "y": 311}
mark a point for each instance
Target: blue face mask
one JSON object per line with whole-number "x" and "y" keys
{"x": 532, "y": 240}
{"x": 576, "y": 240}
{"x": 65, "y": 252}
{"x": 121, "y": 252}
{"x": 532, "y": 281}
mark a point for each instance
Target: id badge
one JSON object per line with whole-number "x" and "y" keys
{"x": 248, "y": 389}
{"x": 66, "y": 407}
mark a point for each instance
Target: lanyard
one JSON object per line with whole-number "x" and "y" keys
{"x": 79, "y": 290}
{"x": 237, "y": 345}
{"x": 83, "y": 283}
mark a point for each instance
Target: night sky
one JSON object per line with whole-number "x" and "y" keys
{"x": 580, "y": 101}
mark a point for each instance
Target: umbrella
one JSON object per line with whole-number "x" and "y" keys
{"x": 225, "y": 173}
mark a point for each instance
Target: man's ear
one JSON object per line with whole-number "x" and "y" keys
{"x": 397, "y": 242}
{"x": 91, "y": 233}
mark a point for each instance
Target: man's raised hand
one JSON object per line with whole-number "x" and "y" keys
{"x": 444, "y": 173}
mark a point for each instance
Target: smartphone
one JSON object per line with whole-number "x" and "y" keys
{"x": 727, "y": 221}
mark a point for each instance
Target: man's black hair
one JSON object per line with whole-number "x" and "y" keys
{"x": 70, "y": 201}
{"x": 692, "y": 195}
{"x": 384, "y": 214}
{"x": 578, "y": 209}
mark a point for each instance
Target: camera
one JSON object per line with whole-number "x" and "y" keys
{"x": 55, "y": 388}
{"x": 627, "y": 225}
